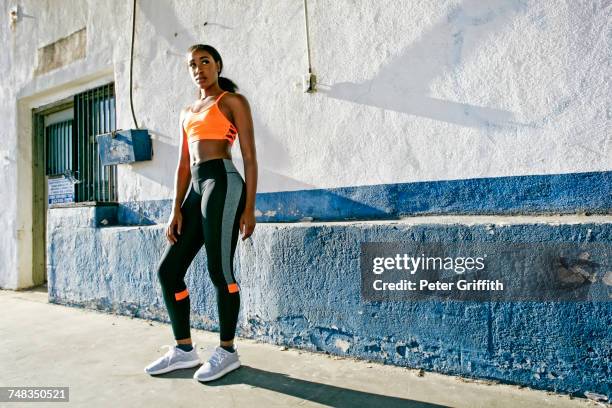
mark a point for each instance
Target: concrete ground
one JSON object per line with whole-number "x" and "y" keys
{"x": 101, "y": 358}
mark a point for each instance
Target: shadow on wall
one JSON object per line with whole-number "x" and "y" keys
{"x": 163, "y": 19}
{"x": 269, "y": 150}
{"x": 168, "y": 26}
{"x": 402, "y": 85}
{"x": 272, "y": 152}
{"x": 165, "y": 158}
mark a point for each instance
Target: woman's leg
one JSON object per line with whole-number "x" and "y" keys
{"x": 223, "y": 200}
{"x": 173, "y": 266}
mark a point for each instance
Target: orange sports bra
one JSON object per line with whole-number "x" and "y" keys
{"x": 209, "y": 124}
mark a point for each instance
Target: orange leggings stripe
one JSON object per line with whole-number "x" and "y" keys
{"x": 233, "y": 288}
{"x": 181, "y": 295}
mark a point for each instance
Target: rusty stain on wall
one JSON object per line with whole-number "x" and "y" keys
{"x": 62, "y": 52}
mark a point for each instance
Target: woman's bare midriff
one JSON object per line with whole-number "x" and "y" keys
{"x": 203, "y": 150}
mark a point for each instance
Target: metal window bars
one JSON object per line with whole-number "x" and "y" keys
{"x": 59, "y": 147}
{"x": 94, "y": 113}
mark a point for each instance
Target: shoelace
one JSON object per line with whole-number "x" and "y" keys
{"x": 217, "y": 358}
{"x": 171, "y": 352}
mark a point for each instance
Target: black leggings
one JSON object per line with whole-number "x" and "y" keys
{"x": 211, "y": 214}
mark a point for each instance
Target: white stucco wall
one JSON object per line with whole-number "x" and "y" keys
{"x": 408, "y": 91}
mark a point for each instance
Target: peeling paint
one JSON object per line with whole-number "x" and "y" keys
{"x": 62, "y": 52}
{"x": 343, "y": 345}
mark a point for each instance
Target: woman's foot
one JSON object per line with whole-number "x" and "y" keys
{"x": 220, "y": 363}
{"x": 174, "y": 359}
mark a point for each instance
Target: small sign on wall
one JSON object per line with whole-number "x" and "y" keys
{"x": 61, "y": 190}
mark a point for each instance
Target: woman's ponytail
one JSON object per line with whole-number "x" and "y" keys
{"x": 227, "y": 84}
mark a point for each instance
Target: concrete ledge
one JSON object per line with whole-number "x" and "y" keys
{"x": 81, "y": 215}
{"x": 301, "y": 287}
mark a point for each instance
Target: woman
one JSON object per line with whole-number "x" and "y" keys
{"x": 219, "y": 204}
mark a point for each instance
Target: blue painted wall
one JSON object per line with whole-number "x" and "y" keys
{"x": 539, "y": 194}
{"x": 301, "y": 287}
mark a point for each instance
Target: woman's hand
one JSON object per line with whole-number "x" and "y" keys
{"x": 176, "y": 223}
{"x": 247, "y": 223}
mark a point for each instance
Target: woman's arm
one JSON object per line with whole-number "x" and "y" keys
{"x": 181, "y": 185}
{"x": 241, "y": 113}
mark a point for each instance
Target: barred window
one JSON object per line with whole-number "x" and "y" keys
{"x": 72, "y": 149}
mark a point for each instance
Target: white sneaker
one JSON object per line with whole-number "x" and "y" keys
{"x": 220, "y": 363}
{"x": 174, "y": 359}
